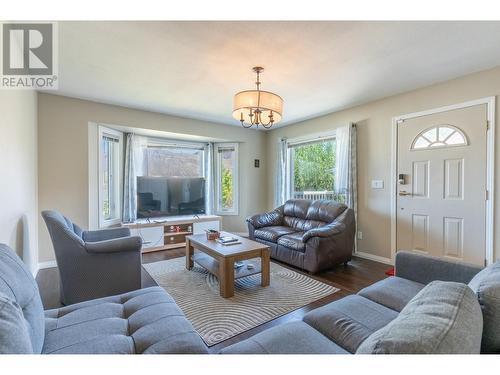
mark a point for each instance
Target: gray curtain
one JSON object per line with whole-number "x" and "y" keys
{"x": 281, "y": 183}
{"x": 209, "y": 175}
{"x": 129, "y": 182}
{"x": 352, "y": 192}
{"x": 346, "y": 164}
{"x": 346, "y": 174}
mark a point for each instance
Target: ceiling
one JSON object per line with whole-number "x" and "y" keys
{"x": 193, "y": 69}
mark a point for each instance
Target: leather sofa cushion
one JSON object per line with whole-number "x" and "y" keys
{"x": 392, "y": 292}
{"x": 143, "y": 321}
{"x": 301, "y": 224}
{"x": 266, "y": 219}
{"x": 272, "y": 233}
{"x": 486, "y": 285}
{"x": 296, "y": 208}
{"x": 293, "y": 241}
{"x": 324, "y": 210}
{"x": 350, "y": 320}
{"x": 290, "y": 338}
{"x": 443, "y": 318}
{"x": 303, "y": 214}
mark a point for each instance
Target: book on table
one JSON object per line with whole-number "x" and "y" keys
{"x": 228, "y": 240}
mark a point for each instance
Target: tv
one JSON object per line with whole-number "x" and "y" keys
{"x": 170, "y": 196}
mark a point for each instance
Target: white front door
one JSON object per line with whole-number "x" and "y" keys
{"x": 441, "y": 195}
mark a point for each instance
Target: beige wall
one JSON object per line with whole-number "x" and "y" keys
{"x": 374, "y": 148}
{"x": 63, "y": 157}
{"x": 18, "y": 171}
{"x": 63, "y": 152}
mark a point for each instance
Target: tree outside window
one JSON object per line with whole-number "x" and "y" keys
{"x": 313, "y": 166}
{"x": 226, "y": 178}
{"x": 227, "y": 188}
{"x": 313, "y": 170}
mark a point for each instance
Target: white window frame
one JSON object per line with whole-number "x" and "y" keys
{"x": 218, "y": 187}
{"x": 175, "y": 144}
{"x": 103, "y": 223}
{"x": 319, "y": 137}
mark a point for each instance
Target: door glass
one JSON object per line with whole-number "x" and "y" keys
{"x": 445, "y": 132}
{"x": 431, "y": 134}
{"x": 439, "y": 136}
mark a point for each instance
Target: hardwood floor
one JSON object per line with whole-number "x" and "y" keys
{"x": 358, "y": 274}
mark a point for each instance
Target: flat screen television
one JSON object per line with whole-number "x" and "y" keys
{"x": 170, "y": 196}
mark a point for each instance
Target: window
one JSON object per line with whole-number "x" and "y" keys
{"x": 162, "y": 158}
{"x": 226, "y": 177}
{"x": 312, "y": 169}
{"x": 439, "y": 136}
{"x": 110, "y": 161}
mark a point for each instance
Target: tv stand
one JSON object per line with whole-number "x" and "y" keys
{"x": 169, "y": 232}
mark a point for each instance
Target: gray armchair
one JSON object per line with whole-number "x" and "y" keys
{"x": 93, "y": 264}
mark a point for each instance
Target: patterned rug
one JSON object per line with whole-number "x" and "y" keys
{"x": 217, "y": 319}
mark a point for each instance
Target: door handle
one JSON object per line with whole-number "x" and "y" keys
{"x": 403, "y": 193}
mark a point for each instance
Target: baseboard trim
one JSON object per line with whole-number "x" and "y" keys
{"x": 375, "y": 258}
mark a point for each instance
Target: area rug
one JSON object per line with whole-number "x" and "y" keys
{"x": 215, "y": 318}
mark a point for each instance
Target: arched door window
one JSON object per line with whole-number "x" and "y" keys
{"x": 438, "y": 137}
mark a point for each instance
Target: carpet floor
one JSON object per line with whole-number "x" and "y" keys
{"x": 217, "y": 319}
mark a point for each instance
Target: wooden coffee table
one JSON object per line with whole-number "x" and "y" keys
{"x": 219, "y": 260}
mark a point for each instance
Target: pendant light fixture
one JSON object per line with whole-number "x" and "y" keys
{"x": 257, "y": 107}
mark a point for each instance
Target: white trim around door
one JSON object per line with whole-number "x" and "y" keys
{"x": 490, "y": 166}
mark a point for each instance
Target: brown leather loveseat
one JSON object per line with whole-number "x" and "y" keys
{"x": 312, "y": 235}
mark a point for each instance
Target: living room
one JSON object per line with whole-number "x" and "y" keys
{"x": 195, "y": 186}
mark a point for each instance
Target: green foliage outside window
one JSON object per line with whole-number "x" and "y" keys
{"x": 227, "y": 188}
{"x": 313, "y": 166}
{"x": 106, "y": 211}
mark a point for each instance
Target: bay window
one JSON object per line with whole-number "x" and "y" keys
{"x": 110, "y": 180}
{"x": 226, "y": 178}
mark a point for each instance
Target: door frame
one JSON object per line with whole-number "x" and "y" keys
{"x": 490, "y": 167}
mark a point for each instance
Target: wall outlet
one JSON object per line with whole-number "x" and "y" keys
{"x": 360, "y": 235}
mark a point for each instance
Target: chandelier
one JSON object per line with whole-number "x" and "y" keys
{"x": 257, "y": 107}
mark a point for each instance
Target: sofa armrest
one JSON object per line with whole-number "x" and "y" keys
{"x": 424, "y": 268}
{"x": 267, "y": 219}
{"x": 117, "y": 245}
{"x": 325, "y": 231}
{"x": 105, "y": 234}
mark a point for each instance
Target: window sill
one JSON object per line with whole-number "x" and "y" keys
{"x": 110, "y": 223}
{"x": 226, "y": 213}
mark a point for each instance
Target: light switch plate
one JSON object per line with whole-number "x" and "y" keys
{"x": 377, "y": 184}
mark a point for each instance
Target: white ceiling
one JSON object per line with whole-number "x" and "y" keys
{"x": 193, "y": 69}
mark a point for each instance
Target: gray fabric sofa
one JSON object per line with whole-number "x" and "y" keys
{"x": 311, "y": 235}
{"x": 145, "y": 321}
{"x": 432, "y": 305}
{"x": 93, "y": 264}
